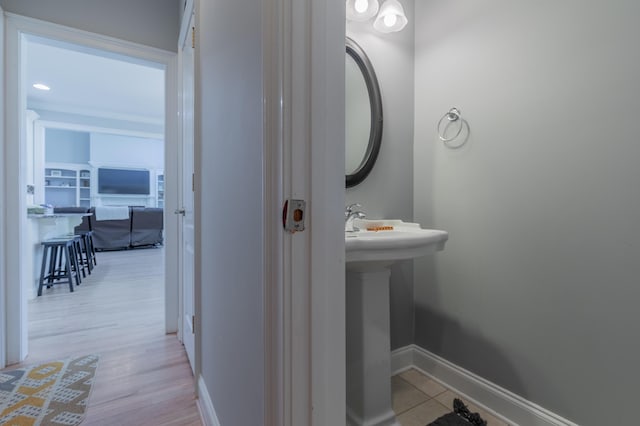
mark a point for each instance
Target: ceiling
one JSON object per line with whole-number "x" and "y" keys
{"x": 93, "y": 83}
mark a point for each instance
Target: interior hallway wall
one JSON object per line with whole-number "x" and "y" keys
{"x": 149, "y": 22}
{"x": 537, "y": 289}
{"x": 387, "y": 191}
{"x": 229, "y": 151}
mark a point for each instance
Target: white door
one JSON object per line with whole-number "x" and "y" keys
{"x": 187, "y": 231}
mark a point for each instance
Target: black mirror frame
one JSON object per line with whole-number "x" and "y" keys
{"x": 375, "y": 101}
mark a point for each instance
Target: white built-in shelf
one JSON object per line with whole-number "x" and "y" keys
{"x": 160, "y": 191}
{"x": 68, "y": 185}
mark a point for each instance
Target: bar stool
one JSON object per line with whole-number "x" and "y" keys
{"x": 85, "y": 251}
{"x": 56, "y": 251}
{"x": 80, "y": 264}
{"x": 89, "y": 249}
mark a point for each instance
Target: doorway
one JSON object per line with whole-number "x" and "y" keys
{"x": 19, "y": 33}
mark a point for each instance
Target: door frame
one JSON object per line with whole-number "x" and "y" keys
{"x": 303, "y": 51}
{"x": 14, "y": 222}
{"x": 3, "y": 301}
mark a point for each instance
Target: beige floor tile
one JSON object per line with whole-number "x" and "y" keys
{"x": 404, "y": 395}
{"x": 422, "y": 382}
{"x": 423, "y": 414}
{"x": 447, "y": 398}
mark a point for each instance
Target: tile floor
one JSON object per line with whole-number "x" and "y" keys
{"x": 419, "y": 400}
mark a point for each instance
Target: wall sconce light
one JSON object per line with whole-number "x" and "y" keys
{"x": 391, "y": 17}
{"x": 362, "y": 10}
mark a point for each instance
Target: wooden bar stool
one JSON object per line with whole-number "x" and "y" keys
{"x": 89, "y": 250}
{"x": 59, "y": 256}
{"x": 86, "y": 252}
{"x": 59, "y": 263}
{"x": 80, "y": 264}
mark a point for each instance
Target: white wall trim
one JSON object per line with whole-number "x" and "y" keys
{"x": 76, "y": 36}
{"x": 48, "y": 124}
{"x": 276, "y": 310}
{"x": 402, "y": 359}
{"x": 296, "y": 287}
{"x": 495, "y": 399}
{"x": 2, "y": 195}
{"x": 189, "y": 9}
{"x": 94, "y": 113}
{"x": 205, "y": 405}
{"x": 15, "y": 105}
{"x": 17, "y": 28}
{"x": 171, "y": 170}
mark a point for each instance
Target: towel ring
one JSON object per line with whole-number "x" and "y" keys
{"x": 453, "y": 115}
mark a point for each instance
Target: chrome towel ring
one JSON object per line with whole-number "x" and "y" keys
{"x": 452, "y": 116}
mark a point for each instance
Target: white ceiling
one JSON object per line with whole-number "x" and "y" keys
{"x": 93, "y": 83}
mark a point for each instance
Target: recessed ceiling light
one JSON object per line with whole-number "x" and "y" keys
{"x": 41, "y": 86}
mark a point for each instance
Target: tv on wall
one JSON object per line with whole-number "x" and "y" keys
{"x": 123, "y": 181}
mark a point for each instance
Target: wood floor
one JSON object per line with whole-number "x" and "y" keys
{"x": 143, "y": 376}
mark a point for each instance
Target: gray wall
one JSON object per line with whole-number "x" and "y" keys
{"x": 538, "y": 287}
{"x": 181, "y": 7}
{"x": 149, "y": 22}
{"x": 387, "y": 191}
{"x": 66, "y": 146}
{"x": 230, "y": 150}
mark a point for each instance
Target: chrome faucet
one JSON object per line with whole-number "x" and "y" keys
{"x": 350, "y": 213}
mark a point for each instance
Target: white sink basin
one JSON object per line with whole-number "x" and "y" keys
{"x": 405, "y": 241}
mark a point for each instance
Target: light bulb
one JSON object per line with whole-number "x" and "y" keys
{"x": 361, "y": 5}
{"x": 391, "y": 17}
{"x": 390, "y": 20}
{"x": 361, "y": 10}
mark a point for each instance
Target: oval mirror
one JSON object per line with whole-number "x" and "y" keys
{"x": 363, "y": 106}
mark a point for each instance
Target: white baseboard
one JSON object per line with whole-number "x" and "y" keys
{"x": 205, "y": 405}
{"x": 495, "y": 399}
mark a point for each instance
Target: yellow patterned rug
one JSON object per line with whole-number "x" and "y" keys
{"x": 55, "y": 393}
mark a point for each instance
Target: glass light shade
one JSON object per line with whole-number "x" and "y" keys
{"x": 391, "y": 17}
{"x": 362, "y": 10}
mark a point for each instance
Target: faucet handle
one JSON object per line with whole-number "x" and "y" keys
{"x": 349, "y": 209}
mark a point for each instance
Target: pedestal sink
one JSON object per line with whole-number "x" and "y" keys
{"x": 369, "y": 257}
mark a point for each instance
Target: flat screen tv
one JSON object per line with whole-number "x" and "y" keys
{"x": 123, "y": 181}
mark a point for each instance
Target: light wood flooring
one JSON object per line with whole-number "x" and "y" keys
{"x": 143, "y": 375}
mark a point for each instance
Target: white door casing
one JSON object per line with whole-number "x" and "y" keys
{"x": 2, "y": 194}
{"x": 14, "y": 222}
{"x": 186, "y": 211}
{"x": 304, "y": 55}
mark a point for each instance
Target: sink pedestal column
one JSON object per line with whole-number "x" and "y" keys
{"x": 368, "y": 347}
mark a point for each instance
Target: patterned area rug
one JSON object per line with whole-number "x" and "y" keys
{"x": 55, "y": 393}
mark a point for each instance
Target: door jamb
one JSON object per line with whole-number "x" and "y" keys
{"x": 2, "y": 192}
{"x": 303, "y": 47}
